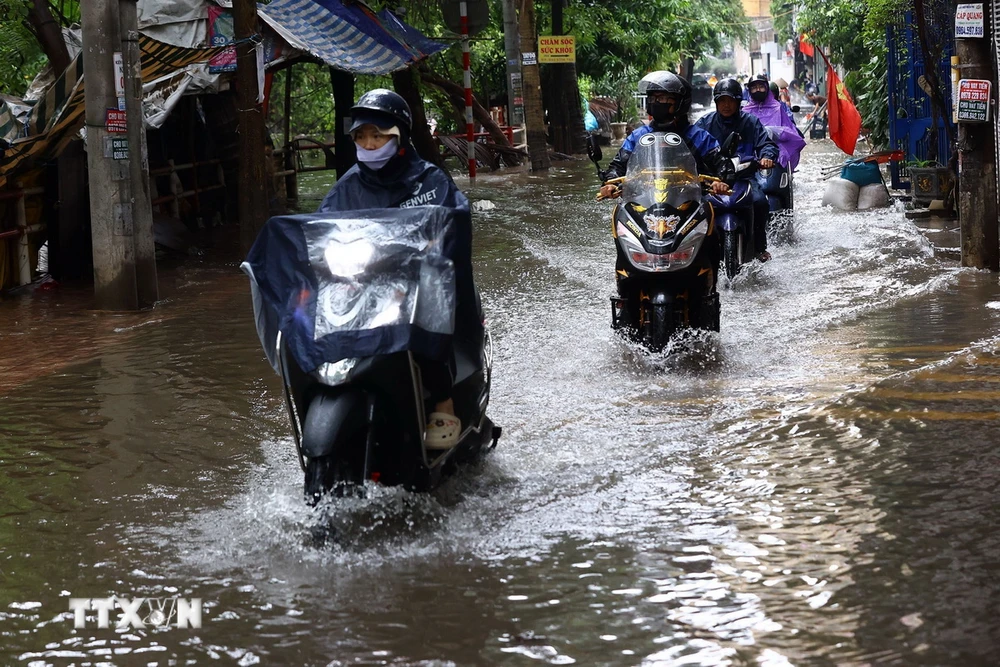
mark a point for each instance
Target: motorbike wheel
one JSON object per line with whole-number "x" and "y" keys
{"x": 325, "y": 474}
{"x": 732, "y": 252}
{"x": 659, "y": 326}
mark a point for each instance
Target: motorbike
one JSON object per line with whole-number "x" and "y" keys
{"x": 734, "y": 212}
{"x": 667, "y": 253}
{"x": 347, "y": 330}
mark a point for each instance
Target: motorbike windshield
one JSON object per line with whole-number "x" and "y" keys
{"x": 661, "y": 170}
{"x": 354, "y": 283}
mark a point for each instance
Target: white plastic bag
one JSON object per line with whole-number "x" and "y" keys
{"x": 873, "y": 196}
{"x": 841, "y": 193}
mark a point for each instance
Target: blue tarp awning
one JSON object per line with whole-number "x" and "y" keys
{"x": 348, "y": 37}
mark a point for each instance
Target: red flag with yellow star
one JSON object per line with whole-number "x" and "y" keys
{"x": 844, "y": 119}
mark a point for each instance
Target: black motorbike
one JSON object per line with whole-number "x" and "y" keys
{"x": 370, "y": 283}
{"x": 667, "y": 251}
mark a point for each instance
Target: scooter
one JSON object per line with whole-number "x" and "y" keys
{"x": 667, "y": 251}
{"x": 734, "y": 212}
{"x": 340, "y": 331}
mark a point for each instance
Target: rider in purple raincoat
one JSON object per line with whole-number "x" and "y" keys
{"x": 781, "y": 128}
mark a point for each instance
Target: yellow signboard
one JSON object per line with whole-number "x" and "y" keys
{"x": 556, "y": 49}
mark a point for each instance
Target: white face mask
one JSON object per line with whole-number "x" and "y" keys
{"x": 378, "y": 157}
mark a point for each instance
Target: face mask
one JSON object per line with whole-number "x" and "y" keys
{"x": 759, "y": 96}
{"x": 660, "y": 111}
{"x": 377, "y": 158}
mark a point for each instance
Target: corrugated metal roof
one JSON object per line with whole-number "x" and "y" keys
{"x": 348, "y": 37}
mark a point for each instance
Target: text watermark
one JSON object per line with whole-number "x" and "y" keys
{"x": 138, "y": 613}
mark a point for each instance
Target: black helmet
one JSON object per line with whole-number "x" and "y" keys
{"x": 760, "y": 78}
{"x": 774, "y": 90}
{"x": 728, "y": 87}
{"x": 670, "y": 83}
{"x": 382, "y": 108}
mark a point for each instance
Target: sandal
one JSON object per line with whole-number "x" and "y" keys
{"x": 443, "y": 431}
{"x": 763, "y": 256}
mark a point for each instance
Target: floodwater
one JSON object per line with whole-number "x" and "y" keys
{"x": 816, "y": 485}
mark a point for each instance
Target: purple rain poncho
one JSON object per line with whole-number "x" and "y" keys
{"x": 781, "y": 128}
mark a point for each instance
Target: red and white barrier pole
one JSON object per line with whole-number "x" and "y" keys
{"x": 470, "y": 131}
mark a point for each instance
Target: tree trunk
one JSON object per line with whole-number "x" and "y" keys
{"x": 345, "y": 154}
{"x": 534, "y": 114}
{"x": 49, "y": 36}
{"x": 456, "y": 95}
{"x": 565, "y": 112}
{"x": 253, "y": 184}
{"x": 405, "y": 83}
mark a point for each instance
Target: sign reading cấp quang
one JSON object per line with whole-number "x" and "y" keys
{"x": 556, "y": 49}
{"x": 969, "y": 21}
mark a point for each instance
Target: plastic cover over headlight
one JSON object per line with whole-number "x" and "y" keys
{"x": 338, "y": 372}
{"x": 674, "y": 261}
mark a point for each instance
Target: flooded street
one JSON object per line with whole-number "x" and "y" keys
{"x": 815, "y": 485}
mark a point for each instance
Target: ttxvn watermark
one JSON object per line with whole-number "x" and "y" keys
{"x": 138, "y": 613}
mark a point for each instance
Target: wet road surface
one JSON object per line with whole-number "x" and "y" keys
{"x": 817, "y": 484}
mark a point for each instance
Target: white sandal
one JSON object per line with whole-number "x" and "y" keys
{"x": 443, "y": 431}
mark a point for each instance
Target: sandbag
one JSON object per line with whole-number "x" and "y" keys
{"x": 873, "y": 196}
{"x": 841, "y": 193}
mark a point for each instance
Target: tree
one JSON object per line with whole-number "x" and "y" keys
{"x": 534, "y": 114}
{"x": 563, "y": 98}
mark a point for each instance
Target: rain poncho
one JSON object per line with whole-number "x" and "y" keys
{"x": 781, "y": 128}
{"x": 355, "y": 283}
{"x": 407, "y": 181}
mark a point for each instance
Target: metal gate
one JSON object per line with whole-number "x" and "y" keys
{"x": 910, "y": 114}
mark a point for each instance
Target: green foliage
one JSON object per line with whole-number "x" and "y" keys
{"x": 20, "y": 53}
{"x": 853, "y": 36}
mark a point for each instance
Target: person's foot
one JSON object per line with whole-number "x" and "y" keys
{"x": 763, "y": 256}
{"x": 443, "y": 427}
{"x": 443, "y": 431}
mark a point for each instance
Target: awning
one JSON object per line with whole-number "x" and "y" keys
{"x": 347, "y": 37}
{"x": 60, "y": 112}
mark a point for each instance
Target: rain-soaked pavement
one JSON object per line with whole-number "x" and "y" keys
{"x": 817, "y": 485}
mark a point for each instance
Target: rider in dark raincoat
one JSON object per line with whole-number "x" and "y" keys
{"x": 754, "y": 144}
{"x": 390, "y": 174}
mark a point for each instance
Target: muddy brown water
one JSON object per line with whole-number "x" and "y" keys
{"x": 816, "y": 485}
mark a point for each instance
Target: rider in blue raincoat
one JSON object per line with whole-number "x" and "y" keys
{"x": 668, "y": 99}
{"x": 754, "y": 144}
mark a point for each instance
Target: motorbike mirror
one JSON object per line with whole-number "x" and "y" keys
{"x": 594, "y": 149}
{"x": 796, "y": 108}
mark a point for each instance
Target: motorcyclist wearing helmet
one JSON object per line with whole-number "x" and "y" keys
{"x": 754, "y": 144}
{"x": 668, "y": 99}
{"x": 390, "y": 174}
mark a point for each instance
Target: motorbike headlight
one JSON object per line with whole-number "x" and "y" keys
{"x": 337, "y": 372}
{"x": 349, "y": 259}
{"x": 674, "y": 261}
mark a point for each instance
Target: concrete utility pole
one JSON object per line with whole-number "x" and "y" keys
{"x": 142, "y": 211}
{"x": 515, "y": 105}
{"x": 253, "y": 204}
{"x": 111, "y": 220}
{"x": 534, "y": 114}
{"x": 977, "y": 181}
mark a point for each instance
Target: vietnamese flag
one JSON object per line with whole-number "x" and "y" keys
{"x": 805, "y": 48}
{"x": 844, "y": 119}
